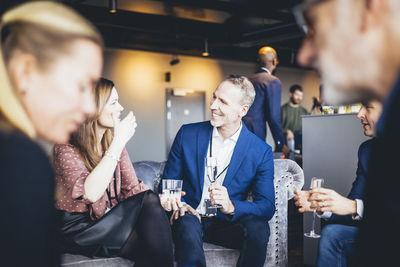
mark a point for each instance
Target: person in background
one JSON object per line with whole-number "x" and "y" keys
{"x": 106, "y": 210}
{"x": 243, "y": 163}
{"x": 340, "y": 37}
{"x": 316, "y": 108}
{"x": 338, "y": 238}
{"x": 291, "y": 113}
{"x": 266, "y": 106}
{"x": 318, "y": 102}
{"x": 51, "y": 57}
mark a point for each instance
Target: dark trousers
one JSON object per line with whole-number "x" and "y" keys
{"x": 337, "y": 245}
{"x": 249, "y": 234}
{"x": 137, "y": 229}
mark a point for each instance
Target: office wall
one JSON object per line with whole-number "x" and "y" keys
{"x": 140, "y": 79}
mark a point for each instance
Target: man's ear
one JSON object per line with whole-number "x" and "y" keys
{"x": 374, "y": 13}
{"x": 244, "y": 110}
{"x": 22, "y": 68}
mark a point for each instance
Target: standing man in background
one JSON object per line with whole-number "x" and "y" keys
{"x": 291, "y": 113}
{"x": 267, "y": 104}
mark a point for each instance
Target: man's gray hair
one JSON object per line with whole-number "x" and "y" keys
{"x": 245, "y": 86}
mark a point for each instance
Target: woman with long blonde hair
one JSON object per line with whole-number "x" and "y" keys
{"x": 50, "y": 59}
{"x": 106, "y": 210}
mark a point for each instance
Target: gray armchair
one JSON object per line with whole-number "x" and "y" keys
{"x": 288, "y": 177}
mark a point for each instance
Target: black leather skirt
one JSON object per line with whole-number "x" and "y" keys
{"x": 104, "y": 237}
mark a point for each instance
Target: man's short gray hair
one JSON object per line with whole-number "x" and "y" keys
{"x": 245, "y": 86}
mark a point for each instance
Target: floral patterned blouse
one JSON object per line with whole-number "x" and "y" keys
{"x": 71, "y": 173}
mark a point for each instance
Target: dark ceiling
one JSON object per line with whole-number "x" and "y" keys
{"x": 234, "y": 29}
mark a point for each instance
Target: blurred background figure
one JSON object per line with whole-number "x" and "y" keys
{"x": 316, "y": 108}
{"x": 291, "y": 113}
{"x": 266, "y": 106}
{"x": 51, "y": 57}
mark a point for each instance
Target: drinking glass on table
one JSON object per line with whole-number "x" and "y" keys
{"x": 211, "y": 171}
{"x": 315, "y": 183}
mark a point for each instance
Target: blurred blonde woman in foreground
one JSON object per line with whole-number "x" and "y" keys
{"x": 50, "y": 60}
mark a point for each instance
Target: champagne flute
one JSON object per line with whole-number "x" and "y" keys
{"x": 211, "y": 171}
{"x": 315, "y": 183}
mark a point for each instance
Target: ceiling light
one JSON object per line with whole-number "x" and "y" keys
{"x": 205, "y": 51}
{"x": 175, "y": 60}
{"x": 112, "y": 6}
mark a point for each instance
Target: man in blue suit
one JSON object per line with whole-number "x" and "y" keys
{"x": 244, "y": 164}
{"x": 338, "y": 238}
{"x": 267, "y": 103}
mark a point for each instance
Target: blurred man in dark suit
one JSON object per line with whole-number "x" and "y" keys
{"x": 354, "y": 44}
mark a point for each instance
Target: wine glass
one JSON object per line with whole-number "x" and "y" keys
{"x": 315, "y": 183}
{"x": 211, "y": 171}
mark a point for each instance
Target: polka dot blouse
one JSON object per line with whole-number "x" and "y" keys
{"x": 71, "y": 173}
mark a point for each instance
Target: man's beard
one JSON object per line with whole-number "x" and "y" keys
{"x": 294, "y": 102}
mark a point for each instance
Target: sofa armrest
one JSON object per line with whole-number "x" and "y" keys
{"x": 288, "y": 175}
{"x": 150, "y": 172}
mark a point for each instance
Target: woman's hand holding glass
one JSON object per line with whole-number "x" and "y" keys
{"x": 171, "y": 194}
{"x": 171, "y": 202}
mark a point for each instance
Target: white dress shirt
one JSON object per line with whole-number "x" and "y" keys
{"x": 222, "y": 150}
{"x": 267, "y": 70}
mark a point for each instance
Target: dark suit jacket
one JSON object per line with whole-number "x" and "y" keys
{"x": 28, "y": 223}
{"x": 358, "y": 187}
{"x": 266, "y": 107}
{"x": 251, "y": 168}
{"x": 380, "y": 230}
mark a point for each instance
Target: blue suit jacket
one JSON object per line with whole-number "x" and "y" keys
{"x": 266, "y": 107}
{"x": 251, "y": 168}
{"x": 358, "y": 187}
{"x": 380, "y": 227}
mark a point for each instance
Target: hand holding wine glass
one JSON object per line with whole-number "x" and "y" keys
{"x": 302, "y": 201}
{"x": 211, "y": 172}
{"x": 315, "y": 183}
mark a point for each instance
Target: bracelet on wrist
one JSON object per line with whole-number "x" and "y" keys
{"x": 111, "y": 156}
